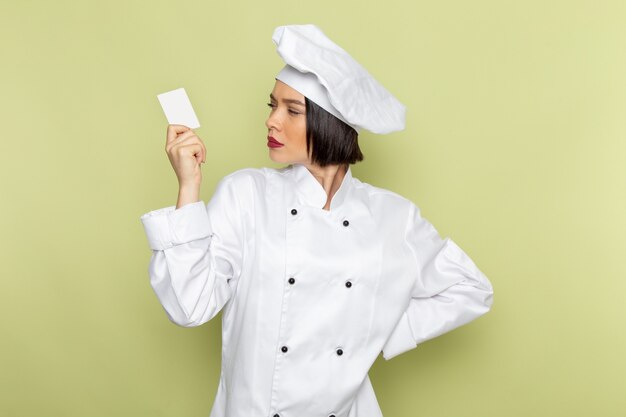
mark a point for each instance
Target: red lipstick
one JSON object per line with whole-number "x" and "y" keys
{"x": 273, "y": 143}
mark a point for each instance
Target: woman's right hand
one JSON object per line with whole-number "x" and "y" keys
{"x": 186, "y": 153}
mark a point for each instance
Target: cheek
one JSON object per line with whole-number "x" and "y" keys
{"x": 302, "y": 126}
{"x": 302, "y": 135}
{"x": 297, "y": 132}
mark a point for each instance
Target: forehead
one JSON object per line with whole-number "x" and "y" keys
{"x": 283, "y": 91}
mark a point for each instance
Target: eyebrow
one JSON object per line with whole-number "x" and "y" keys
{"x": 288, "y": 100}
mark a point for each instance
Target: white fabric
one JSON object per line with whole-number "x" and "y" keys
{"x": 237, "y": 253}
{"x": 361, "y": 101}
{"x": 307, "y": 84}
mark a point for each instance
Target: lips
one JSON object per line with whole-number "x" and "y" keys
{"x": 272, "y": 140}
{"x": 273, "y": 143}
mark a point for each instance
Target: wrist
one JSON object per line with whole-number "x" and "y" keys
{"x": 188, "y": 193}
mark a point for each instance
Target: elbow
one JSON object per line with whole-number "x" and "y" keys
{"x": 488, "y": 299}
{"x": 484, "y": 295}
{"x": 480, "y": 297}
{"x": 201, "y": 312}
{"x": 183, "y": 320}
{"x": 485, "y": 302}
{"x": 188, "y": 323}
{"x": 483, "y": 290}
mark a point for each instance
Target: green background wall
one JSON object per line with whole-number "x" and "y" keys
{"x": 515, "y": 147}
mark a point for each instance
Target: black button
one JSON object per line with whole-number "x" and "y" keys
{"x": 339, "y": 352}
{"x": 345, "y": 222}
{"x": 294, "y": 211}
{"x": 284, "y": 349}
{"x": 291, "y": 280}
{"x": 348, "y": 284}
{"x": 276, "y": 415}
{"x": 332, "y": 415}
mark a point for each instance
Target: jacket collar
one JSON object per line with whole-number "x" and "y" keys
{"x": 312, "y": 193}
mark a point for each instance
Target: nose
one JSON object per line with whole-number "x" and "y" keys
{"x": 273, "y": 121}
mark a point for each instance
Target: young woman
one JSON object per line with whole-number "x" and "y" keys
{"x": 315, "y": 272}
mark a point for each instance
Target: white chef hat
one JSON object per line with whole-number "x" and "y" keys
{"x": 327, "y": 75}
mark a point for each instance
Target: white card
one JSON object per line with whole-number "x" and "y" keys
{"x": 177, "y": 108}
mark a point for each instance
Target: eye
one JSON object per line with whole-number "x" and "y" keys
{"x": 271, "y": 105}
{"x": 293, "y": 112}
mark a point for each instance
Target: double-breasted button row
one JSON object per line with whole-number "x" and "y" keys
{"x": 292, "y": 281}
{"x": 339, "y": 351}
{"x": 294, "y": 212}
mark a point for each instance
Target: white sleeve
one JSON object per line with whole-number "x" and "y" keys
{"x": 449, "y": 289}
{"x": 196, "y": 255}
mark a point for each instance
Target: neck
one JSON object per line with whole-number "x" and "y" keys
{"x": 330, "y": 177}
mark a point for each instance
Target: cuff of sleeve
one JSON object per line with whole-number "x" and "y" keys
{"x": 401, "y": 339}
{"x": 167, "y": 227}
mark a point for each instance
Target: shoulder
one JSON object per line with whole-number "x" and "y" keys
{"x": 258, "y": 176}
{"x": 382, "y": 198}
{"x": 249, "y": 183}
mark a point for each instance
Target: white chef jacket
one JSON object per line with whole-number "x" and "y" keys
{"x": 309, "y": 297}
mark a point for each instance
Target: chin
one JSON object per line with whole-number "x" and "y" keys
{"x": 277, "y": 158}
{"x": 284, "y": 159}
{"x": 272, "y": 157}
{"x": 281, "y": 159}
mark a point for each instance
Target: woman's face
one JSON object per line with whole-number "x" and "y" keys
{"x": 287, "y": 125}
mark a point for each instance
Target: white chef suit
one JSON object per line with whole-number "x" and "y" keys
{"x": 310, "y": 297}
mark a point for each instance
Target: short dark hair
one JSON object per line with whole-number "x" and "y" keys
{"x": 330, "y": 140}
